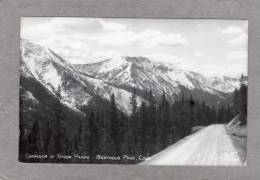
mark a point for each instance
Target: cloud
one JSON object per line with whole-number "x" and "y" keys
{"x": 112, "y": 26}
{"x": 186, "y": 63}
{"x": 199, "y": 53}
{"x": 238, "y": 55}
{"x": 233, "y": 30}
{"x": 239, "y": 40}
{"x": 101, "y": 55}
{"x": 165, "y": 57}
{"x": 87, "y": 40}
{"x": 73, "y": 51}
{"x": 209, "y": 70}
{"x": 115, "y": 38}
{"x": 156, "y": 38}
{"x": 146, "y": 38}
{"x": 67, "y": 27}
{"x": 101, "y": 31}
{"x": 240, "y": 33}
{"x": 199, "y": 25}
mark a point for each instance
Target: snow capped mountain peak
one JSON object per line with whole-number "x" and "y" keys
{"x": 140, "y": 72}
{"x": 76, "y": 89}
{"x": 37, "y": 62}
{"x": 112, "y": 64}
{"x": 80, "y": 83}
{"x": 137, "y": 59}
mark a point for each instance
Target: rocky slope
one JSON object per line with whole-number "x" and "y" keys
{"x": 126, "y": 72}
{"x": 76, "y": 89}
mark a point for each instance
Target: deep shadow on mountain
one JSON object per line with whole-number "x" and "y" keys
{"x": 209, "y": 99}
{"x": 39, "y": 106}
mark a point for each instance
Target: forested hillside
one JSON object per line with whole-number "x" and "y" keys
{"x": 102, "y": 129}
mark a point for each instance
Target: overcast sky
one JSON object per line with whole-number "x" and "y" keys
{"x": 211, "y": 47}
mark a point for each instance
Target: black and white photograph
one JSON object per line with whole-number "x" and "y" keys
{"x": 133, "y": 91}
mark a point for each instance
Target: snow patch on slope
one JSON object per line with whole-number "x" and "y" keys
{"x": 38, "y": 63}
{"x": 157, "y": 76}
{"x": 27, "y": 95}
{"x": 77, "y": 89}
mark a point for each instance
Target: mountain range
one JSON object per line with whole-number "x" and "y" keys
{"x": 83, "y": 84}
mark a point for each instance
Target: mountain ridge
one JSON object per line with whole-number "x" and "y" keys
{"x": 82, "y": 82}
{"x": 77, "y": 89}
{"x": 126, "y": 72}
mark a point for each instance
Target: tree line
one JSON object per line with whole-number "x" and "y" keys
{"x": 149, "y": 128}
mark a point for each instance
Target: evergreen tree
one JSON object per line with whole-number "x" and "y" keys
{"x": 191, "y": 114}
{"x": 114, "y": 122}
{"x": 48, "y": 137}
{"x": 243, "y": 100}
{"x": 144, "y": 123}
{"x": 240, "y": 101}
{"x": 35, "y": 138}
{"x": 82, "y": 141}
{"x": 132, "y": 136}
{"x": 122, "y": 130}
{"x": 93, "y": 136}
{"x": 236, "y": 101}
{"x": 163, "y": 123}
{"x": 214, "y": 115}
{"x": 151, "y": 125}
{"x": 58, "y": 139}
